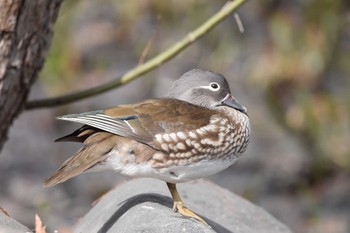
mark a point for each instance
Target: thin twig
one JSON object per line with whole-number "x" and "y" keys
{"x": 239, "y": 22}
{"x": 148, "y": 46}
{"x": 151, "y": 64}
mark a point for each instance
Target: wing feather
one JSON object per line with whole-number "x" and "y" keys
{"x": 142, "y": 121}
{"x": 106, "y": 123}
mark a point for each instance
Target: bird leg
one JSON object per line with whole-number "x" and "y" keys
{"x": 179, "y": 205}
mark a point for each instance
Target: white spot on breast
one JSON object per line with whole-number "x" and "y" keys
{"x": 192, "y": 135}
{"x": 223, "y": 122}
{"x": 181, "y": 135}
{"x": 181, "y": 146}
{"x": 188, "y": 154}
{"x": 197, "y": 145}
{"x": 159, "y": 138}
{"x": 207, "y": 141}
{"x": 166, "y": 137}
{"x": 173, "y": 136}
{"x": 169, "y": 162}
{"x": 200, "y": 131}
{"x": 158, "y": 156}
{"x": 164, "y": 146}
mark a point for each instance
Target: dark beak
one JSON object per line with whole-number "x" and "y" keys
{"x": 231, "y": 102}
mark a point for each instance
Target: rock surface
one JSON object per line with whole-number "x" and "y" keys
{"x": 9, "y": 225}
{"x": 144, "y": 205}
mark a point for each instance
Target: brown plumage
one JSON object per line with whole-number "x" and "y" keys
{"x": 141, "y": 122}
{"x": 198, "y": 131}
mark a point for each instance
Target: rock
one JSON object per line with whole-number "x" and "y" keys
{"x": 144, "y": 205}
{"x": 7, "y": 224}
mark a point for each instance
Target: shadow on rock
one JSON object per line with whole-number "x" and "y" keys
{"x": 154, "y": 198}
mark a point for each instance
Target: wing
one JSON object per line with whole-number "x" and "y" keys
{"x": 142, "y": 121}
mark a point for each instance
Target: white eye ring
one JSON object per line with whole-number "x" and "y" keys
{"x": 214, "y": 86}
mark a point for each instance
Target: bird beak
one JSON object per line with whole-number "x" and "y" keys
{"x": 231, "y": 102}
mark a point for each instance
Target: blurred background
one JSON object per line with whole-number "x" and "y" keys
{"x": 290, "y": 68}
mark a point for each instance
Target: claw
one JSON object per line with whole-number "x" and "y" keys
{"x": 180, "y": 207}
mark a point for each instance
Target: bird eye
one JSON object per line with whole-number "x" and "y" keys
{"x": 214, "y": 86}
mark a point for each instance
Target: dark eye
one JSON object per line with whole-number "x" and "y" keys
{"x": 214, "y": 86}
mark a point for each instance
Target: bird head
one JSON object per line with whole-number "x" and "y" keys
{"x": 204, "y": 88}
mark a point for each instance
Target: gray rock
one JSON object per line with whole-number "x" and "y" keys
{"x": 9, "y": 225}
{"x": 144, "y": 205}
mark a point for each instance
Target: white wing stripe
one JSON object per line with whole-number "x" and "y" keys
{"x": 106, "y": 123}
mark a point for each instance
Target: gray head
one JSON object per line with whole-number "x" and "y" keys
{"x": 204, "y": 88}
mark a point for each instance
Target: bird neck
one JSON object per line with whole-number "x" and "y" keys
{"x": 235, "y": 116}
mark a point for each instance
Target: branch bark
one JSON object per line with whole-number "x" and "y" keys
{"x": 26, "y": 28}
{"x": 148, "y": 66}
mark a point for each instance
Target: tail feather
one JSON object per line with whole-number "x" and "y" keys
{"x": 79, "y": 135}
{"x": 96, "y": 149}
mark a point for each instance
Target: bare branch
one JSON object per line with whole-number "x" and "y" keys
{"x": 136, "y": 72}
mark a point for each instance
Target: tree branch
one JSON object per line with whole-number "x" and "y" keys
{"x": 163, "y": 57}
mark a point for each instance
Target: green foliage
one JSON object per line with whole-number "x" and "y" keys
{"x": 60, "y": 68}
{"x": 305, "y": 69}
